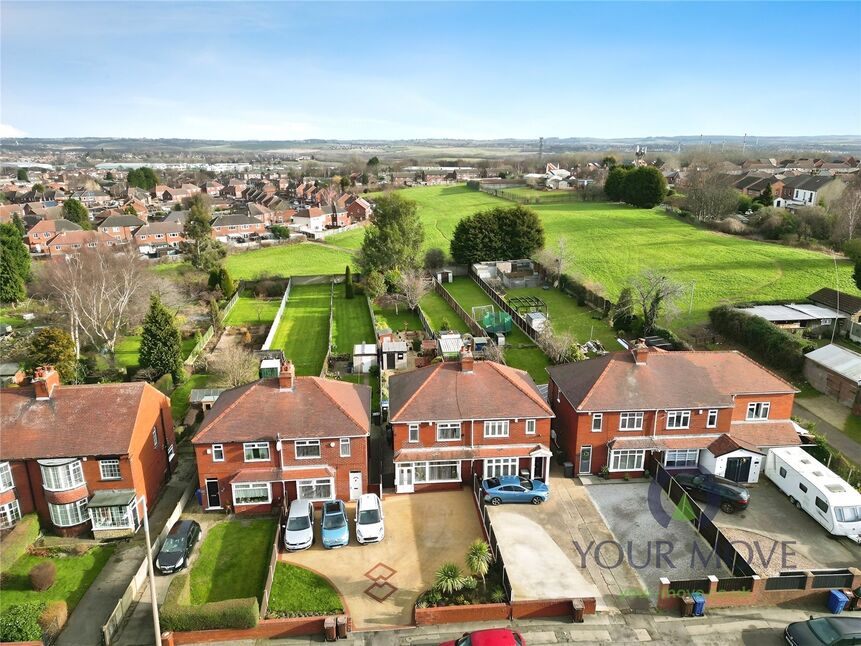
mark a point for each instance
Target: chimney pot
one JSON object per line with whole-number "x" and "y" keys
{"x": 45, "y": 379}
{"x": 287, "y": 376}
{"x": 641, "y": 352}
{"x": 466, "y": 361}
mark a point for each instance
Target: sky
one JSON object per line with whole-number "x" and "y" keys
{"x": 399, "y": 70}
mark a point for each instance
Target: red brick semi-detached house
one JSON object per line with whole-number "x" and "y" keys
{"x": 284, "y": 437}
{"x": 716, "y": 411}
{"x": 452, "y": 420}
{"x": 83, "y": 456}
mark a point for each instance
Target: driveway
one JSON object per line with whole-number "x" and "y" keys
{"x": 771, "y": 517}
{"x": 381, "y": 582}
{"x": 675, "y": 551}
{"x": 826, "y": 414}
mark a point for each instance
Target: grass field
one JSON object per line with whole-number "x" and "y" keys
{"x": 232, "y": 561}
{"x": 566, "y": 315}
{"x": 306, "y": 259}
{"x": 520, "y": 352}
{"x": 295, "y": 589}
{"x": 403, "y": 319}
{"x": 439, "y": 314}
{"x": 351, "y": 323}
{"x": 250, "y": 310}
{"x": 303, "y": 332}
{"x": 74, "y": 575}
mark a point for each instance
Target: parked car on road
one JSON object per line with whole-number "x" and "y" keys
{"x": 489, "y": 637}
{"x": 299, "y": 528}
{"x": 514, "y": 489}
{"x": 177, "y": 546}
{"x": 369, "y": 519}
{"x": 833, "y": 631}
{"x": 334, "y": 527}
{"x": 729, "y": 495}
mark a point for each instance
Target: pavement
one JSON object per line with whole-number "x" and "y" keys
{"x": 84, "y": 627}
{"x": 822, "y": 411}
{"x": 381, "y": 582}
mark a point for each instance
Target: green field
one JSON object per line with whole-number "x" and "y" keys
{"x": 584, "y": 323}
{"x": 303, "y": 332}
{"x": 440, "y": 315}
{"x": 250, "y": 310}
{"x": 520, "y": 351}
{"x": 306, "y": 259}
{"x": 403, "y": 319}
{"x": 351, "y": 323}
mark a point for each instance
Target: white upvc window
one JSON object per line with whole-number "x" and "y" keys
{"x": 62, "y": 477}
{"x": 256, "y": 451}
{"x": 218, "y": 453}
{"x": 678, "y": 419}
{"x": 69, "y": 515}
{"x": 119, "y": 517}
{"x": 154, "y": 437}
{"x": 758, "y": 410}
{"x": 252, "y": 493}
{"x": 631, "y": 421}
{"x": 110, "y": 469}
{"x": 496, "y": 428}
{"x": 711, "y": 421}
{"x": 6, "y": 481}
{"x": 443, "y": 471}
{"x": 307, "y": 449}
{"x": 413, "y": 432}
{"x": 319, "y": 489}
{"x": 681, "y": 458}
{"x": 494, "y": 467}
{"x": 627, "y": 459}
{"x": 10, "y": 513}
{"x": 447, "y": 431}
{"x": 597, "y": 422}
{"x": 530, "y": 427}
{"x": 345, "y": 447}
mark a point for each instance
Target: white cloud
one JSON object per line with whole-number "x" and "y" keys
{"x": 7, "y": 130}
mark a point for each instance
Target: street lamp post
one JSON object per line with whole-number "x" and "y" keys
{"x": 151, "y": 573}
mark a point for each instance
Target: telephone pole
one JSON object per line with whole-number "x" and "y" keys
{"x": 540, "y": 152}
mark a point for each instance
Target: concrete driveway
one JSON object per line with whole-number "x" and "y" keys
{"x": 381, "y": 582}
{"x": 772, "y": 517}
{"x": 676, "y": 551}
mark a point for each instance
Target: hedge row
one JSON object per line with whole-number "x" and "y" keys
{"x": 15, "y": 545}
{"x": 20, "y": 622}
{"x": 178, "y": 615}
{"x": 766, "y": 342}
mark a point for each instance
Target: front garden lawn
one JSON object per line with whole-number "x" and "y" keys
{"x": 250, "y": 310}
{"x": 295, "y": 590}
{"x": 351, "y": 323}
{"x": 303, "y": 332}
{"x": 233, "y": 560}
{"x": 304, "y": 259}
{"x": 74, "y": 575}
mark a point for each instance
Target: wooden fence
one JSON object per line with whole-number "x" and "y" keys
{"x": 519, "y": 321}
{"x": 325, "y": 367}
{"x": 270, "y": 573}
{"x": 474, "y": 327}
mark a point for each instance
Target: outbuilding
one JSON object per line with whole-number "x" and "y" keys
{"x": 835, "y": 371}
{"x": 364, "y": 357}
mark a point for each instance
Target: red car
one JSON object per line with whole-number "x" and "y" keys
{"x": 491, "y": 637}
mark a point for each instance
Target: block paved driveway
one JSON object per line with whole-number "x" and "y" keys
{"x": 381, "y": 582}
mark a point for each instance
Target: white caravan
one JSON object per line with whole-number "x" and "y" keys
{"x": 816, "y": 489}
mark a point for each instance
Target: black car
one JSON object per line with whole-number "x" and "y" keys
{"x": 833, "y": 631}
{"x": 177, "y": 546}
{"x": 729, "y": 495}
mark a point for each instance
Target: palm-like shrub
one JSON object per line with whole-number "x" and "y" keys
{"x": 479, "y": 558}
{"x": 449, "y": 578}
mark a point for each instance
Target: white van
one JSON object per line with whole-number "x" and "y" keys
{"x": 816, "y": 489}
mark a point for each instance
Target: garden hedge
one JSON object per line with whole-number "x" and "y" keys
{"x": 177, "y": 613}
{"x": 20, "y": 623}
{"x": 767, "y": 343}
{"x": 22, "y": 536}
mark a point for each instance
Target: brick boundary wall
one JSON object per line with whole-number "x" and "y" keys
{"x": 265, "y": 629}
{"x": 461, "y": 614}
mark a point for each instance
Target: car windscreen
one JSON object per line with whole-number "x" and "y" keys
{"x": 369, "y": 516}
{"x": 173, "y": 544}
{"x": 848, "y": 514}
{"x": 335, "y": 521}
{"x": 298, "y": 523}
{"x": 823, "y": 629}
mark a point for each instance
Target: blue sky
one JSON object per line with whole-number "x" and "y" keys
{"x": 278, "y": 70}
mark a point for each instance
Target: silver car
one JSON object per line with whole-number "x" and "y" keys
{"x": 299, "y": 528}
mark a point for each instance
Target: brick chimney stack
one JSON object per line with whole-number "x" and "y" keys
{"x": 287, "y": 377}
{"x": 45, "y": 379}
{"x": 466, "y": 361}
{"x": 641, "y": 352}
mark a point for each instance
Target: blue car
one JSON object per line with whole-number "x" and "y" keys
{"x": 335, "y": 530}
{"x": 514, "y": 489}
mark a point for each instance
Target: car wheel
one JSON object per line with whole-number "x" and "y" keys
{"x": 537, "y": 500}
{"x": 792, "y": 499}
{"x": 727, "y": 508}
{"x": 798, "y": 504}
{"x": 495, "y": 501}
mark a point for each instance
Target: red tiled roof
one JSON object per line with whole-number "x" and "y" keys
{"x": 667, "y": 380}
{"x": 727, "y": 444}
{"x": 76, "y": 421}
{"x": 661, "y": 443}
{"x": 765, "y": 434}
{"x": 277, "y": 475}
{"x": 444, "y": 391}
{"x": 316, "y": 408}
{"x": 469, "y": 452}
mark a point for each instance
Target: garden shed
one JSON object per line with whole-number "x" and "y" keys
{"x": 835, "y": 371}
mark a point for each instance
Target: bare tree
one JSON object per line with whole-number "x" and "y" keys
{"x": 560, "y": 347}
{"x": 413, "y": 284}
{"x": 100, "y": 291}
{"x": 234, "y": 366}
{"x": 654, "y": 292}
{"x": 553, "y": 262}
{"x": 493, "y": 352}
{"x": 709, "y": 196}
{"x": 848, "y": 210}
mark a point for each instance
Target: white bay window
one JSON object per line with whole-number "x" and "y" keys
{"x": 626, "y": 459}
{"x": 69, "y": 515}
{"x": 318, "y": 489}
{"x": 61, "y": 475}
{"x": 252, "y": 493}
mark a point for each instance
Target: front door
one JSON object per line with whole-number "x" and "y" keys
{"x": 538, "y": 468}
{"x": 737, "y": 469}
{"x": 586, "y": 459}
{"x": 405, "y": 479}
{"x": 355, "y": 485}
{"x": 213, "y": 500}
